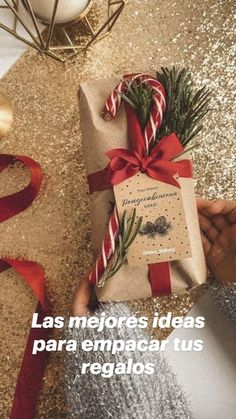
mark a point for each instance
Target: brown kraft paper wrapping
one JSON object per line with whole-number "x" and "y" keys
{"x": 99, "y": 136}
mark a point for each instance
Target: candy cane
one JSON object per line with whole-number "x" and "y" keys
{"x": 111, "y": 108}
{"x": 159, "y": 103}
{"x": 108, "y": 249}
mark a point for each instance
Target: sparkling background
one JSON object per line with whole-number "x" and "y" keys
{"x": 55, "y": 230}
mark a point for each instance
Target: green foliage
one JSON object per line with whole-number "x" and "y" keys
{"x": 139, "y": 96}
{"x": 185, "y": 107}
{"x": 129, "y": 229}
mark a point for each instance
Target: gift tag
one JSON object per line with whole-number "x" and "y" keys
{"x": 163, "y": 235}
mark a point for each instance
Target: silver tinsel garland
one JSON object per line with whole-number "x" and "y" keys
{"x": 225, "y": 298}
{"x": 156, "y": 396}
{"x": 143, "y": 396}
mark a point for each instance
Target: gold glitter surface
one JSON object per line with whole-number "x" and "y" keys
{"x": 55, "y": 230}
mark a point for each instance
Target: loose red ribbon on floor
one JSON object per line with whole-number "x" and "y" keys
{"x": 159, "y": 165}
{"x": 13, "y": 204}
{"x": 30, "y": 377}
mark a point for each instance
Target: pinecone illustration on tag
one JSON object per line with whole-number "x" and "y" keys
{"x": 160, "y": 226}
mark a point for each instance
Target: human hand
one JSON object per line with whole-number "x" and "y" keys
{"x": 82, "y": 298}
{"x": 218, "y": 228}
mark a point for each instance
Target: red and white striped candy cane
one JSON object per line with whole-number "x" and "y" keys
{"x": 159, "y": 103}
{"x": 108, "y": 249}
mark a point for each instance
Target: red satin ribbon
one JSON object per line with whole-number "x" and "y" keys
{"x": 13, "y": 204}
{"x": 30, "y": 377}
{"x": 158, "y": 165}
{"x": 31, "y": 373}
{"x": 159, "y": 278}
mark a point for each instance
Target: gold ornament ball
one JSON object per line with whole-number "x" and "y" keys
{"x": 6, "y": 116}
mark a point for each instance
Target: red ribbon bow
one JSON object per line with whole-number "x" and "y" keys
{"x": 157, "y": 165}
{"x": 126, "y": 163}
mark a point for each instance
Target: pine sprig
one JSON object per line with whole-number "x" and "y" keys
{"x": 139, "y": 96}
{"x": 185, "y": 108}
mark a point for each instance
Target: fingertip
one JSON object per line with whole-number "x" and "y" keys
{"x": 216, "y": 207}
{"x": 81, "y": 298}
{"x": 202, "y": 203}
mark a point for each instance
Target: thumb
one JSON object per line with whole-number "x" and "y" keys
{"x": 217, "y": 257}
{"x": 80, "y": 304}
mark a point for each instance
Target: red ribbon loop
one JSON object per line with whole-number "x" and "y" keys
{"x": 13, "y": 204}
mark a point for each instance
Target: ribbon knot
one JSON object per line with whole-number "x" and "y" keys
{"x": 145, "y": 161}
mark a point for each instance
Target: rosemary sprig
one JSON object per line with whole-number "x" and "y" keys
{"x": 129, "y": 229}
